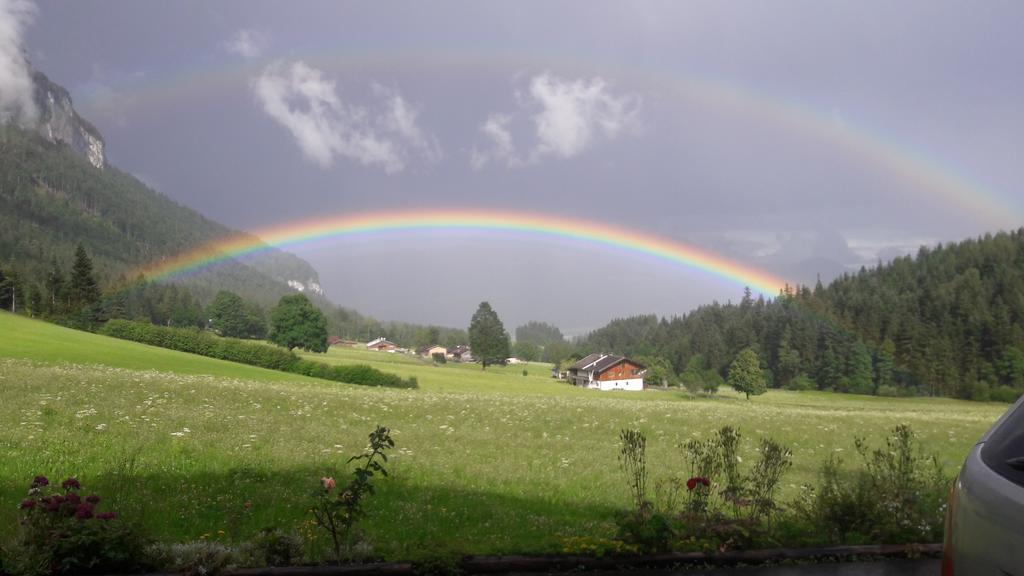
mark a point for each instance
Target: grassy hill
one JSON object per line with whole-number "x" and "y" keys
{"x": 489, "y": 462}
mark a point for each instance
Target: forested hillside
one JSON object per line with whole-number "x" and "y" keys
{"x": 948, "y": 321}
{"x": 52, "y": 199}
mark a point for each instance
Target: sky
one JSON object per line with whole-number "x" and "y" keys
{"x": 803, "y": 138}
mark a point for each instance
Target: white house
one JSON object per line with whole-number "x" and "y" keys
{"x": 607, "y": 372}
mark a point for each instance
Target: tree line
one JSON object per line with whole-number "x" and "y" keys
{"x": 948, "y": 321}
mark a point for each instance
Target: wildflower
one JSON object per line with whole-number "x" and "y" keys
{"x": 106, "y": 515}
{"x": 84, "y": 511}
{"x": 73, "y": 498}
{"x": 71, "y": 484}
{"x": 92, "y": 499}
{"x": 27, "y": 505}
{"x": 52, "y": 504}
{"x": 328, "y": 483}
{"x": 40, "y": 481}
{"x": 693, "y": 482}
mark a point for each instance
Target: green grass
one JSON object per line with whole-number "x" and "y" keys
{"x": 485, "y": 462}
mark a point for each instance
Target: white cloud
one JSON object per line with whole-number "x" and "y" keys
{"x": 568, "y": 117}
{"x": 16, "y": 88}
{"x": 501, "y": 148}
{"x": 399, "y": 117}
{"x": 247, "y": 43}
{"x": 576, "y": 112}
{"x": 299, "y": 98}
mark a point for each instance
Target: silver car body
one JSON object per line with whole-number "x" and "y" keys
{"x": 985, "y": 526}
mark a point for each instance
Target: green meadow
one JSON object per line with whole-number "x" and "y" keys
{"x": 485, "y": 462}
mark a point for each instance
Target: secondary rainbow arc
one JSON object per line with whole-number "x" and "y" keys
{"x": 600, "y": 234}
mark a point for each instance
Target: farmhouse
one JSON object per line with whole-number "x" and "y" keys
{"x": 429, "y": 351}
{"x": 381, "y": 345}
{"x": 607, "y": 372}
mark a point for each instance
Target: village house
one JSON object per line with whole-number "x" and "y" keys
{"x": 429, "y": 351}
{"x": 381, "y": 345}
{"x": 336, "y": 341}
{"x": 607, "y": 372}
{"x": 461, "y": 353}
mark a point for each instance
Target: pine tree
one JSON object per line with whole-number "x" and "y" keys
{"x": 83, "y": 291}
{"x": 487, "y": 336}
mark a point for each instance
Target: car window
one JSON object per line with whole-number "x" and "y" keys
{"x": 1004, "y": 450}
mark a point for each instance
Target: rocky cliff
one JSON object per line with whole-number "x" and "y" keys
{"x": 58, "y": 121}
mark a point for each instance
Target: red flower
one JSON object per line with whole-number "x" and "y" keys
{"x": 84, "y": 511}
{"x": 92, "y": 499}
{"x": 73, "y": 498}
{"x": 40, "y": 481}
{"x": 27, "y": 505}
{"x": 52, "y": 504}
{"x": 692, "y": 482}
{"x": 71, "y": 484}
{"x": 106, "y": 515}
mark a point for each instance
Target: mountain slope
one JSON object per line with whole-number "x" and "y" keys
{"x": 57, "y": 190}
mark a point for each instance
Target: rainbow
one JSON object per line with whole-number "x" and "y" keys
{"x": 531, "y": 224}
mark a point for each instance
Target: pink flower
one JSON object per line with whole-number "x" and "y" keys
{"x": 71, "y": 484}
{"x": 328, "y": 483}
{"x": 106, "y": 515}
{"x": 39, "y": 481}
{"x": 27, "y": 505}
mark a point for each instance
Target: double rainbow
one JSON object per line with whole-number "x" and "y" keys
{"x": 531, "y": 224}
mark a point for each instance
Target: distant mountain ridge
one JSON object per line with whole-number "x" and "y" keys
{"x": 57, "y": 189}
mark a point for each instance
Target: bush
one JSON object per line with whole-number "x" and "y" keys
{"x": 1006, "y": 394}
{"x": 194, "y": 341}
{"x": 898, "y": 496}
{"x": 62, "y": 532}
{"x": 272, "y": 547}
{"x": 800, "y": 383}
{"x": 194, "y": 558}
{"x": 439, "y": 358}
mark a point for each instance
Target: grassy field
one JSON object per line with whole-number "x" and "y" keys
{"x": 485, "y": 462}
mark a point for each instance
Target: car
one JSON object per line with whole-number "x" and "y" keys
{"x": 985, "y": 518}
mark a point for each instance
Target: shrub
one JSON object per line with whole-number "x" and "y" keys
{"x": 194, "y": 558}
{"x": 62, "y": 532}
{"x": 800, "y": 383}
{"x": 338, "y": 512}
{"x": 1005, "y": 394}
{"x": 194, "y": 341}
{"x": 897, "y": 496}
{"x": 272, "y": 547}
{"x": 439, "y": 358}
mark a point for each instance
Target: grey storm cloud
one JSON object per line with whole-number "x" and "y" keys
{"x": 578, "y": 109}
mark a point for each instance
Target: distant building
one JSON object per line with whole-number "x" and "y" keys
{"x": 381, "y": 345}
{"x": 336, "y": 341}
{"x": 429, "y": 351}
{"x": 461, "y": 354}
{"x": 607, "y": 372}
